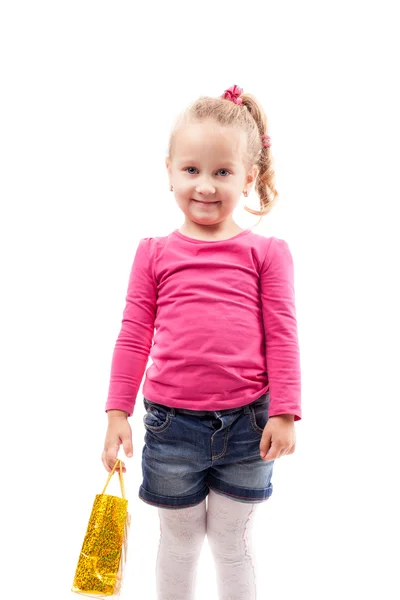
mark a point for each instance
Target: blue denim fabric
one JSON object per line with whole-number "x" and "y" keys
{"x": 187, "y": 452}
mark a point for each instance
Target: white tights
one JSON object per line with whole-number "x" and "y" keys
{"x": 227, "y": 524}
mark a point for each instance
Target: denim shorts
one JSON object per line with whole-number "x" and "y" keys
{"x": 188, "y": 452}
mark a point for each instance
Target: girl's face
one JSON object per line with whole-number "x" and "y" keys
{"x": 207, "y": 171}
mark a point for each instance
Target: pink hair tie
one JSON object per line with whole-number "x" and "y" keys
{"x": 233, "y": 94}
{"x": 266, "y": 141}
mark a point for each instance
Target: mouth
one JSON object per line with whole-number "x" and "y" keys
{"x": 204, "y": 202}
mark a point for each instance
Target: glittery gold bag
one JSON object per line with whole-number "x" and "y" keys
{"x": 102, "y": 560}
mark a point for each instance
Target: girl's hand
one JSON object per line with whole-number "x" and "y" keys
{"x": 118, "y": 432}
{"x": 279, "y": 437}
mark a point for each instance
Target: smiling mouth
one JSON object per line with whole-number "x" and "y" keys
{"x": 201, "y": 202}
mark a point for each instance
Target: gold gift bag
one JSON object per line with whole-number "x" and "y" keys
{"x": 102, "y": 560}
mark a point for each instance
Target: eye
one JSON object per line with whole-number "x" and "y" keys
{"x": 187, "y": 168}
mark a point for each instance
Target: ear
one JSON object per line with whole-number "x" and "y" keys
{"x": 252, "y": 175}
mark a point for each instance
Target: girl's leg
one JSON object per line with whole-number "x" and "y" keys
{"x": 183, "y": 532}
{"x": 229, "y": 525}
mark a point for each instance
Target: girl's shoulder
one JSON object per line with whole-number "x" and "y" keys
{"x": 272, "y": 250}
{"x": 268, "y": 243}
{"x": 152, "y": 246}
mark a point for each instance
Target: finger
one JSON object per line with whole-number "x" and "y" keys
{"x": 269, "y": 457}
{"x": 112, "y": 455}
{"x": 128, "y": 449}
{"x": 287, "y": 450}
{"x": 111, "y": 465}
{"x": 108, "y": 467}
{"x": 282, "y": 452}
{"x": 272, "y": 454}
{"x": 123, "y": 466}
{"x": 265, "y": 446}
{"x": 105, "y": 462}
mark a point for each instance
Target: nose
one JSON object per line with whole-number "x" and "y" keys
{"x": 205, "y": 187}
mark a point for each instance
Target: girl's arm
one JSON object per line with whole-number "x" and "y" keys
{"x": 280, "y": 326}
{"x": 134, "y": 341}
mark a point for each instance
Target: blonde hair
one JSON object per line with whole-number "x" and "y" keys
{"x": 251, "y": 119}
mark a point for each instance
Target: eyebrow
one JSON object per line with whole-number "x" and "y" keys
{"x": 220, "y": 162}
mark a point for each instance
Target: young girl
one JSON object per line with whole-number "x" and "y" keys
{"x": 223, "y": 392}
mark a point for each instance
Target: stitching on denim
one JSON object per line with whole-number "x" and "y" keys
{"x": 158, "y": 429}
{"x": 225, "y": 444}
{"x": 235, "y": 496}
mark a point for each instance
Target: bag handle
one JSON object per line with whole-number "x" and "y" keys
{"x": 118, "y": 463}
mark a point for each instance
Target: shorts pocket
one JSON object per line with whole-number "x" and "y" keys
{"x": 157, "y": 418}
{"x": 259, "y": 416}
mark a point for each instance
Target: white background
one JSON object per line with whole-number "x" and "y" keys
{"x": 89, "y": 92}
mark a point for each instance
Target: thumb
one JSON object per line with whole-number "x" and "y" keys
{"x": 272, "y": 453}
{"x": 265, "y": 445}
{"x": 128, "y": 449}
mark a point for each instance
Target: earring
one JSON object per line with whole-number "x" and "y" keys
{"x": 245, "y": 193}
{"x": 171, "y": 189}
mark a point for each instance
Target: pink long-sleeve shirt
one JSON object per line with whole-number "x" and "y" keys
{"x": 218, "y": 321}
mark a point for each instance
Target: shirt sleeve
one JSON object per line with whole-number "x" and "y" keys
{"x": 134, "y": 341}
{"x": 280, "y": 326}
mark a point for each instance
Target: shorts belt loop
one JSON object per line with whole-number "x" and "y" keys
{"x": 172, "y": 411}
{"x": 247, "y": 409}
